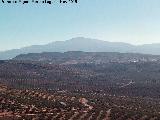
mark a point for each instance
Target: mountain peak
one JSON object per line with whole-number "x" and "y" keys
{"x": 79, "y": 39}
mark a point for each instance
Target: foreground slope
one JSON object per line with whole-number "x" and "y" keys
{"x": 63, "y": 105}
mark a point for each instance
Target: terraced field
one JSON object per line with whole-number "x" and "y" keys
{"x": 63, "y": 105}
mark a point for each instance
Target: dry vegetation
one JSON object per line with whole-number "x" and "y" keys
{"x": 63, "y": 105}
{"x": 80, "y": 89}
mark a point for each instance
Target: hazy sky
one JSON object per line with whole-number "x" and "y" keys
{"x": 131, "y": 21}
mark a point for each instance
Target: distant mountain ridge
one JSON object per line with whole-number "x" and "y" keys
{"x": 83, "y": 44}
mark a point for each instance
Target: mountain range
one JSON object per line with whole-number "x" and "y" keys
{"x": 83, "y": 44}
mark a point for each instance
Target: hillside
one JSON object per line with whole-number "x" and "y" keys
{"x": 18, "y": 104}
{"x": 138, "y": 79}
{"x": 80, "y": 85}
{"x": 74, "y": 57}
